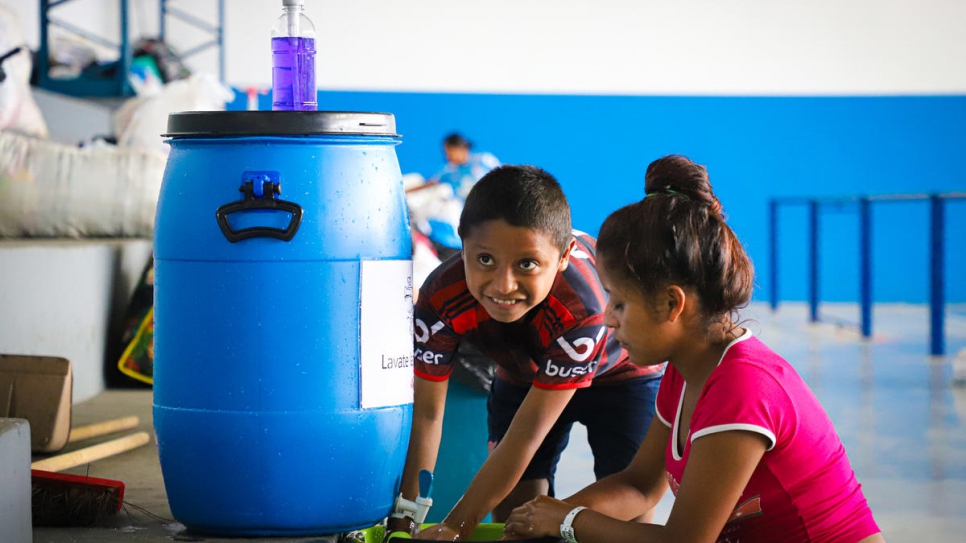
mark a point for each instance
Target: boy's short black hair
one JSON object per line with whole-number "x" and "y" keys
{"x": 456, "y": 140}
{"x": 523, "y": 196}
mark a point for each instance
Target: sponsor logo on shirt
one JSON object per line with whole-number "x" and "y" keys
{"x": 582, "y": 349}
{"x": 426, "y": 356}
{"x": 748, "y": 508}
{"x": 553, "y": 370}
{"x": 422, "y": 333}
{"x": 731, "y": 533}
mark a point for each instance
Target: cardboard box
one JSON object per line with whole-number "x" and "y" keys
{"x": 38, "y": 389}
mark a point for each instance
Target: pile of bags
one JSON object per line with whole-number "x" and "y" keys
{"x": 99, "y": 189}
{"x": 18, "y": 110}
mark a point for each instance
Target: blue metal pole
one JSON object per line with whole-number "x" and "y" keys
{"x": 813, "y": 260}
{"x": 43, "y": 55}
{"x": 126, "y": 53}
{"x": 164, "y": 15}
{"x": 221, "y": 40}
{"x": 865, "y": 265}
{"x": 773, "y": 228}
{"x": 936, "y": 284}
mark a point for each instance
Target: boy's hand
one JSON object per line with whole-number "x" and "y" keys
{"x": 538, "y": 517}
{"x": 439, "y": 532}
{"x": 405, "y": 524}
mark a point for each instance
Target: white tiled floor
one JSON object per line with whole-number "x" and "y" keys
{"x": 901, "y": 417}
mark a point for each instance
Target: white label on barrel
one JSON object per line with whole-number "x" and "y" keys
{"x": 386, "y": 335}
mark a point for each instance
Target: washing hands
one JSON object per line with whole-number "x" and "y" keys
{"x": 539, "y": 517}
{"x": 440, "y": 532}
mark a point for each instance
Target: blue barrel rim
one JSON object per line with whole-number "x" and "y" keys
{"x": 279, "y": 123}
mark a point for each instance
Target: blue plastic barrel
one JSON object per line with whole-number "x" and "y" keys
{"x": 283, "y": 321}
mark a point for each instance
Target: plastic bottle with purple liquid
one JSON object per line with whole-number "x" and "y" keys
{"x": 293, "y": 60}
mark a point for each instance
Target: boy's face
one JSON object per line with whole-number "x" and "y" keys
{"x": 456, "y": 154}
{"x": 510, "y": 269}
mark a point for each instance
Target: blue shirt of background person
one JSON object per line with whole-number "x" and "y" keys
{"x": 463, "y": 167}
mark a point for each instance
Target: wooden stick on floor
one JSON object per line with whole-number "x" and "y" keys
{"x": 102, "y": 428}
{"x": 90, "y": 454}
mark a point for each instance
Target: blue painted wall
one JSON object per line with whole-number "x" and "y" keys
{"x": 756, "y": 148}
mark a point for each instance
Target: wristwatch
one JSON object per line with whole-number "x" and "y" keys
{"x": 567, "y": 528}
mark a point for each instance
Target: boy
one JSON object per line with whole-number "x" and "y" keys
{"x": 525, "y": 292}
{"x": 463, "y": 167}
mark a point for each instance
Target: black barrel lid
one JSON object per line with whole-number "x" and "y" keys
{"x": 279, "y": 123}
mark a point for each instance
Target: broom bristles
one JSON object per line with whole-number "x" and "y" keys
{"x": 60, "y": 499}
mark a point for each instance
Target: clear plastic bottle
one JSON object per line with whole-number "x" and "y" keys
{"x": 293, "y": 60}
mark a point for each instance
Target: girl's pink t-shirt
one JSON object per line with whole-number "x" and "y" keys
{"x": 804, "y": 488}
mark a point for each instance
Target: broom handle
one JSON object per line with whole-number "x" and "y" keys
{"x": 90, "y": 454}
{"x": 101, "y": 428}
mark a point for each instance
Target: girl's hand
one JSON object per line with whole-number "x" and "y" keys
{"x": 539, "y": 517}
{"x": 439, "y": 532}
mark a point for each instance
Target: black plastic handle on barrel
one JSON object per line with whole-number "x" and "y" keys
{"x": 266, "y": 202}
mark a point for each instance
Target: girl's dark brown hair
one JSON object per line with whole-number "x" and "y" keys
{"x": 677, "y": 235}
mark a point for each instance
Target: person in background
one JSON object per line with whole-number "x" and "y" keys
{"x": 463, "y": 167}
{"x": 747, "y": 449}
{"x": 525, "y": 292}
{"x": 437, "y": 202}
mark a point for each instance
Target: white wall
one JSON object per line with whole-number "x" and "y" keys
{"x": 68, "y": 298}
{"x": 690, "y": 47}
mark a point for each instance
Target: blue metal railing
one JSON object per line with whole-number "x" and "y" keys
{"x": 937, "y": 287}
{"x": 105, "y": 81}
{"x": 217, "y": 30}
{"x": 111, "y": 80}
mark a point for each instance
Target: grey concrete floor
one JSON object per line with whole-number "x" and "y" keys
{"x": 900, "y": 415}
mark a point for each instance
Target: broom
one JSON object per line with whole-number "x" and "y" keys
{"x": 60, "y": 499}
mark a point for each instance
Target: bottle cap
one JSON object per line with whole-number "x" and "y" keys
{"x": 288, "y": 3}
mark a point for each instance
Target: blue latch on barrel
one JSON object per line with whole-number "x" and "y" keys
{"x": 258, "y": 180}
{"x": 259, "y": 188}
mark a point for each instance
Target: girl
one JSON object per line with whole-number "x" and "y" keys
{"x": 745, "y": 446}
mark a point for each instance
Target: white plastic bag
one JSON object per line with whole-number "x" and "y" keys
{"x": 48, "y": 189}
{"x": 140, "y": 121}
{"x": 434, "y": 210}
{"x": 18, "y": 110}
